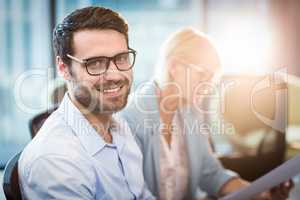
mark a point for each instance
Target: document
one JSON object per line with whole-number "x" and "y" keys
{"x": 282, "y": 173}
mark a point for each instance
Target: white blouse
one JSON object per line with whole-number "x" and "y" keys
{"x": 173, "y": 164}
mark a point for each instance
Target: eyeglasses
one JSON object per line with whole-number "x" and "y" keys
{"x": 99, "y": 65}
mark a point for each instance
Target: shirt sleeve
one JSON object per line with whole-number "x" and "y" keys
{"x": 58, "y": 177}
{"x": 213, "y": 175}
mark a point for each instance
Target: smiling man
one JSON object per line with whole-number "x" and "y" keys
{"x": 84, "y": 149}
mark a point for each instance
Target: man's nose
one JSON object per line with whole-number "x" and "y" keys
{"x": 112, "y": 72}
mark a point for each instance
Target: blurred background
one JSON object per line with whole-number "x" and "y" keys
{"x": 255, "y": 114}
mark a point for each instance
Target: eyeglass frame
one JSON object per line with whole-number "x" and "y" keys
{"x": 85, "y": 61}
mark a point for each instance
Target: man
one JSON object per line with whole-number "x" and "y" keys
{"x": 84, "y": 150}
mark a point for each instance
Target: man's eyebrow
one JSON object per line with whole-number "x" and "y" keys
{"x": 94, "y": 57}
{"x": 102, "y": 56}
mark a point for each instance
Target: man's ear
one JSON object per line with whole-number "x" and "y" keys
{"x": 62, "y": 68}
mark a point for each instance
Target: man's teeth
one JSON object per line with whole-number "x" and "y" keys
{"x": 112, "y": 90}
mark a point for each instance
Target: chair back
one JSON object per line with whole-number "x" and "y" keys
{"x": 11, "y": 186}
{"x": 37, "y": 121}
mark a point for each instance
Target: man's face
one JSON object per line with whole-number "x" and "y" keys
{"x": 107, "y": 92}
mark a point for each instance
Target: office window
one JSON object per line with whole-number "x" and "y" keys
{"x": 244, "y": 34}
{"x": 24, "y": 62}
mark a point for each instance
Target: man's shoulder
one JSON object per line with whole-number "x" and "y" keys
{"x": 54, "y": 138}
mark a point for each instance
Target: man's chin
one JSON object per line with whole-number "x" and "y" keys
{"x": 116, "y": 104}
{"x": 111, "y": 106}
{"x": 110, "y": 109}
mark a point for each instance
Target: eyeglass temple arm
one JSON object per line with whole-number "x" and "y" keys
{"x": 74, "y": 58}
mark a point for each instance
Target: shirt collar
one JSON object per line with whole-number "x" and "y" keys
{"x": 87, "y": 135}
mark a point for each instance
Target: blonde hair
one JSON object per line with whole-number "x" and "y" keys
{"x": 181, "y": 45}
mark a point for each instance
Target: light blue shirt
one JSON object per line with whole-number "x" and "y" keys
{"x": 68, "y": 159}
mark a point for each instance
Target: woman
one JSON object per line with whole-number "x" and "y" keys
{"x": 163, "y": 114}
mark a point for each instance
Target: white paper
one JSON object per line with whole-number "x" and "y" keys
{"x": 282, "y": 173}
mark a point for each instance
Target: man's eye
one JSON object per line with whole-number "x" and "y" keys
{"x": 97, "y": 63}
{"x": 122, "y": 58}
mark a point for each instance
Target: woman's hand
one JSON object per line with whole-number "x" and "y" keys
{"x": 280, "y": 192}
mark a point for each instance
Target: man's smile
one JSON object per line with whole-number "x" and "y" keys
{"x": 112, "y": 90}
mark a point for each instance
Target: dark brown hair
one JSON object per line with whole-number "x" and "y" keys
{"x": 86, "y": 18}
